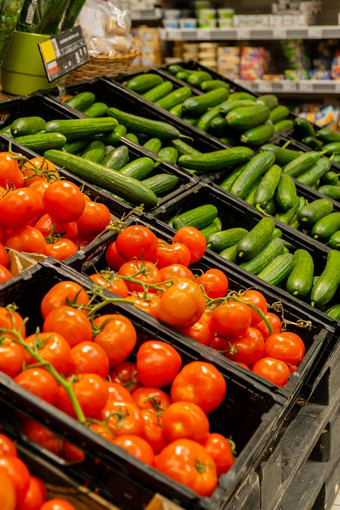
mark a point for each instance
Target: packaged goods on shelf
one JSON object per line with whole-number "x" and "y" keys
{"x": 254, "y": 63}
{"x": 150, "y": 47}
{"x": 319, "y": 114}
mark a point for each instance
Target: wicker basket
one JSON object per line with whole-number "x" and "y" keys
{"x": 104, "y": 66}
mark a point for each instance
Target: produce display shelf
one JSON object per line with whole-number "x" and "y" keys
{"x": 296, "y": 87}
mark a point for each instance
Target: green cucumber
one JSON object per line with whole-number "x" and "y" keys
{"x": 205, "y": 121}
{"x": 228, "y": 106}
{"x": 169, "y": 154}
{"x": 95, "y": 152}
{"x": 182, "y": 75}
{"x": 6, "y": 131}
{"x": 197, "y": 105}
{"x": 96, "y": 110}
{"x": 285, "y": 195}
{"x": 174, "y": 98}
{"x": 27, "y": 126}
{"x": 229, "y": 140}
{"x": 269, "y": 207}
{"x": 226, "y": 238}
{"x": 209, "y": 85}
{"x": 42, "y": 141}
{"x": 138, "y": 169}
{"x": 315, "y": 173}
{"x": 269, "y": 100}
{"x": 161, "y": 184}
{"x": 253, "y": 242}
{"x": 81, "y": 101}
{"x": 77, "y": 146}
{"x": 153, "y": 128}
{"x": 144, "y": 82}
{"x": 199, "y": 217}
{"x": 254, "y": 169}
{"x": 312, "y": 143}
{"x": 334, "y": 312}
{"x": 230, "y": 253}
{"x": 276, "y": 233}
{"x": 326, "y": 226}
{"x": 158, "y": 92}
{"x": 228, "y": 181}
{"x": 301, "y": 164}
{"x": 212, "y": 228}
{"x": 184, "y": 148}
{"x": 300, "y": 280}
{"x": 288, "y": 215}
{"x": 177, "y": 110}
{"x": 258, "y": 135}
{"x": 279, "y": 113}
{"x": 334, "y": 241}
{"x": 277, "y": 270}
{"x": 132, "y": 137}
{"x": 272, "y": 249}
{"x": 282, "y": 156}
{"x": 216, "y": 160}
{"x": 267, "y": 187}
{"x": 116, "y": 182}
{"x": 330, "y": 177}
{"x": 237, "y": 96}
{"x": 330, "y": 191}
{"x": 77, "y": 128}
{"x": 282, "y": 125}
{"x": 328, "y": 135}
{"x": 195, "y": 78}
{"x": 331, "y": 148}
{"x": 250, "y": 197}
{"x": 247, "y": 117}
{"x": 303, "y": 128}
{"x": 175, "y": 68}
{"x": 328, "y": 282}
{"x": 154, "y": 145}
{"x": 219, "y": 126}
{"x": 190, "y": 121}
{"x": 117, "y": 158}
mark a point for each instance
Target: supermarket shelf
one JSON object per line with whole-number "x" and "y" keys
{"x": 252, "y": 33}
{"x": 147, "y": 15}
{"x": 297, "y": 87}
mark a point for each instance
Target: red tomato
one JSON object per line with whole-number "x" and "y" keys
{"x": 137, "y": 241}
{"x": 157, "y": 363}
{"x": 220, "y": 344}
{"x": 118, "y": 393}
{"x": 38, "y": 169}
{"x": 3, "y": 256}
{"x": 112, "y": 257}
{"x": 175, "y": 271}
{"x": 19, "y": 475}
{"x": 248, "y": 348}
{"x": 201, "y": 331}
{"x": 218, "y": 447}
{"x": 189, "y": 463}
{"x": 182, "y": 304}
{"x": 10, "y": 174}
{"x": 192, "y": 239}
{"x": 57, "y": 504}
{"x": 254, "y": 297}
{"x": 117, "y": 337}
{"x": 102, "y": 430}
{"x": 125, "y": 374}
{"x": 153, "y": 432}
{"x": 145, "y": 272}
{"x": 35, "y": 496}
{"x": 275, "y": 322}
{"x": 71, "y": 453}
{"x": 89, "y": 358}
{"x": 242, "y": 364}
{"x": 94, "y": 220}
{"x": 42, "y": 436}
{"x": 185, "y": 420}
{"x": 68, "y": 230}
{"x": 40, "y": 187}
{"x": 176, "y": 253}
{"x": 149, "y": 303}
{"x": 27, "y": 239}
{"x": 62, "y": 292}
{"x": 200, "y": 383}
{"x": 53, "y": 348}
{"x": 151, "y": 398}
{"x": 122, "y": 418}
{"x": 70, "y": 323}
{"x": 64, "y": 201}
{"x": 137, "y": 447}
{"x": 215, "y": 283}
{"x": 61, "y": 249}
{"x": 7, "y": 491}
{"x": 111, "y": 282}
{"x": 8, "y": 319}
{"x": 274, "y": 370}
{"x": 230, "y": 319}
{"x": 39, "y": 382}
{"x": 91, "y": 393}
{"x": 7, "y": 447}
{"x": 285, "y": 346}
{"x": 20, "y": 207}
{"x": 5, "y": 274}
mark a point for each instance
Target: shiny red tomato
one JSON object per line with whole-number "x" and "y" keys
{"x": 40, "y": 187}
{"x": 137, "y": 447}
{"x": 182, "y": 304}
{"x": 3, "y": 256}
{"x": 112, "y": 257}
{"x": 39, "y": 382}
{"x": 10, "y": 174}
{"x": 118, "y": 393}
{"x": 57, "y": 504}
{"x": 137, "y": 241}
{"x": 89, "y": 358}
{"x": 189, "y": 463}
{"x": 19, "y": 207}
{"x": 256, "y": 298}
{"x": 149, "y": 303}
{"x": 275, "y": 370}
{"x": 27, "y": 239}
{"x": 145, "y": 272}
{"x": 61, "y": 249}
{"x": 151, "y": 398}
{"x": 185, "y": 420}
{"x": 102, "y": 430}
{"x": 201, "y": 331}
{"x": 7, "y": 447}
{"x": 42, "y": 436}
{"x": 19, "y": 475}
{"x": 125, "y": 374}
{"x": 200, "y": 383}
{"x": 7, "y": 491}
{"x": 5, "y": 274}
{"x": 64, "y": 201}
{"x": 153, "y": 432}
{"x": 38, "y": 169}
{"x": 231, "y": 319}
{"x": 60, "y": 294}
{"x": 70, "y": 323}
{"x": 91, "y": 393}
{"x": 53, "y": 348}
{"x": 275, "y": 322}
{"x": 220, "y": 344}
{"x": 71, "y": 453}
{"x": 111, "y": 282}
{"x": 157, "y": 363}
{"x": 248, "y": 348}
{"x": 45, "y": 225}
{"x": 219, "y": 448}
{"x": 94, "y": 220}
{"x": 175, "y": 271}
{"x": 35, "y": 496}
{"x": 10, "y": 319}
{"x": 215, "y": 283}
{"x": 176, "y": 253}
{"x": 285, "y": 346}
{"x": 122, "y": 418}
{"x": 192, "y": 239}
{"x": 117, "y": 337}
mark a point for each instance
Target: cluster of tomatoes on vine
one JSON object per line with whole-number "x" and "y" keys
{"x": 155, "y": 275}
{"x": 41, "y": 213}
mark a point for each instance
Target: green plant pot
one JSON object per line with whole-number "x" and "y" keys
{"x": 22, "y": 71}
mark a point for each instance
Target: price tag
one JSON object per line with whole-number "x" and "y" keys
{"x": 306, "y": 86}
{"x": 280, "y": 33}
{"x": 290, "y": 86}
{"x": 174, "y": 35}
{"x": 63, "y": 53}
{"x": 265, "y": 86}
{"x": 315, "y": 33}
{"x": 243, "y": 34}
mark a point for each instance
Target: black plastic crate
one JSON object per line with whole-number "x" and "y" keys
{"x": 316, "y": 340}
{"x": 249, "y": 413}
{"x": 236, "y": 213}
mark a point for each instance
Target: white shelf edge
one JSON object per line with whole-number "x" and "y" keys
{"x": 300, "y": 87}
